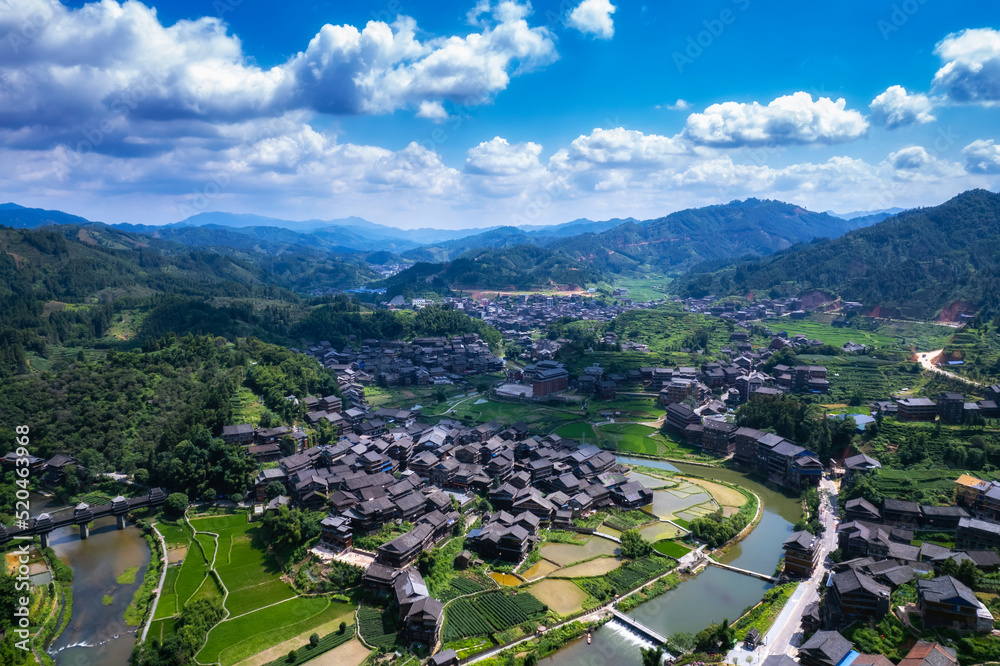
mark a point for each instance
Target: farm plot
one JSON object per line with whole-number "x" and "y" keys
{"x": 462, "y": 620}
{"x": 562, "y": 596}
{"x": 160, "y": 629}
{"x": 598, "y": 567}
{"x": 698, "y": 511}
{"x": 461, "y": 585}
{"x": 671, "y": 548}
{"x": 377, "y": 627}
{"x": 630, "y": 575}
{"x": 191, "y": 575}
{"x": 250, "y": 574}
{"x": 174, "y": 535}
{"x": 578, "y": 431}
{"x": 723, "y": 495}
{"x": 651, "y": 482}
{"x": 565, "y": 554}
{"x": 489, "y": 613}
{"x": 167, "y": 606}
{"x": 539, "y": 417}
{"x": 829, "y": 334}
{"x": 539, "y": 569}
{"x": 633, "y": 438}
{"x": 237, "y": 638}
{"x": 668, "y": 503}
{"x": 659, "y": 531}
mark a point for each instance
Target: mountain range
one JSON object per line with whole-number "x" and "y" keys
{"x": 750, "y": 227}
{"x": 917, "y": 263}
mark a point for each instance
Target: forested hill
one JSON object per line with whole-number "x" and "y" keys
{"x": 914, "y": 264}
{"x": 516, "y": 268}
{"x": 66, "y": 282}
{"x": 685, "y": 238}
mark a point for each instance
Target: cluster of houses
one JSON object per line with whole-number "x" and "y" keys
{"x": 51, "y": 472}
{"x": 830, "y": 648}
{"x": 419, "y": 614}
{"x": 264, "y": 444}
{"x": 427, "y": 476}
{"x": 743, "y": 377}
{"x": 878, "y": 556}
{"x": 516, "y": 315}
{"x": 420, "y": 362}
{"x": 767, "y": 308}
{"x": 950, "y": 408}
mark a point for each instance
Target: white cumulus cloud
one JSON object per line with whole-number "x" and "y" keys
{"x": 971, "y": 69}
{"x": 792, "y": 119}
{"x": 619, "y": 147}
{"x": 982, "y": 156}
{"x": 498, "y": 157}
{"x": 432, "y": 111}
{"x": 109, "y": 66}
{"x": 897, "y": 108}
{"x": 593, "y": 17}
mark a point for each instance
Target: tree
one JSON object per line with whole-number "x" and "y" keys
{"x": 343, "y": 627}
{"x": 293, "y": 656}
{"x": 274, "y": 489}
{"x": 968, "y": 573}
{"x": 8, "y": 596}
{"x": 141, "y": 476}
{"x": 634, "y": 546}
{"x": 268, "y": 419}
{"x": 176, "y": 504}
{"x": 237, "y": 497}
{"x": 531, "y": 659}
{"x": 313, "y": 640}
{"x": 208, "y": 495}
{"x": 290, "y": 528}
{"x": 681, "y": 641}
{"x": 651, "y": 656}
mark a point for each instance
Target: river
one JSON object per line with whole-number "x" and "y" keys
{"x": 97, "y": 634}
{"x": 713, "y": 595}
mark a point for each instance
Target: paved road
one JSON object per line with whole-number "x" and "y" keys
{"x": 786, "y": 632}
{"x": 926, "y": 363}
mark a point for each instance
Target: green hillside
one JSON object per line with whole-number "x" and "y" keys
{"x": 685, "y": 238}
{"x": 515, "y": 268}
{"x": 913, "y": 264}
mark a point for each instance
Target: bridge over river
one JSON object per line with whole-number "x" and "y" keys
{"x": 83, "y": 514}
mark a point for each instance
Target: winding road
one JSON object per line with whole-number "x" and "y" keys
{"x": 926, "y": 362}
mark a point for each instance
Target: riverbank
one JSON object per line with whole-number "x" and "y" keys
{"x": 712, "y": 595}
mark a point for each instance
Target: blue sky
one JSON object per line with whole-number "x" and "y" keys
{"x": 456, "y": 114}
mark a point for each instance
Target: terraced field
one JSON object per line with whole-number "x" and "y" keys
{"x": 670, "y": 502}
